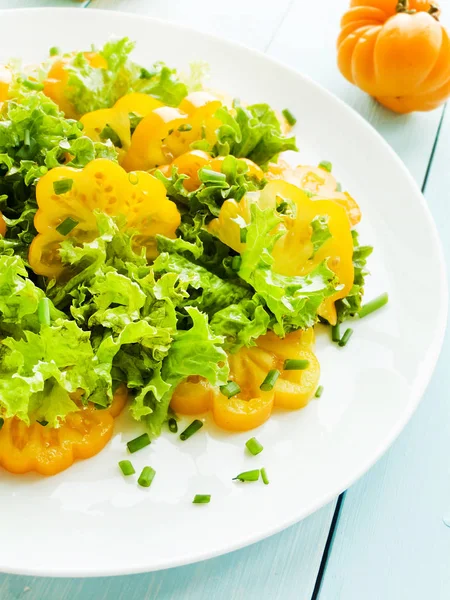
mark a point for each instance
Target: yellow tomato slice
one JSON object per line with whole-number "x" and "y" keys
{"x": 192, "y": 396}
{"x": 95, "y": 122}
{"x": 140, "y": 104}
{"x": 52, "y": 450}
{"x": 148, "y": 143}
{"x": 200, "y": 108}
{"x": 188, "y": 164}
{"x": 293, "y": 252}
{"x": 5, "y": 82}
{"x": 236, "y": 414}
{"x": 149, "y": 211}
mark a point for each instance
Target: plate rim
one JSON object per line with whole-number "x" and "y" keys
{"x": 429, "y": 360}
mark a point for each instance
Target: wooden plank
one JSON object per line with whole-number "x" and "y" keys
{"x": 42, "y": 3}
{"x": 250, "y": 22}
{"x": 391, "y": 542}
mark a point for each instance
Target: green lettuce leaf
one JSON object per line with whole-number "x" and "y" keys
{"x": 293, "y": 301}
{"x": 254, "y": 132}
{"x": 91, "y": 88}
{"x": 195, "y": 351}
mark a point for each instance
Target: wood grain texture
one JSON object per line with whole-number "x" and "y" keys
{"x": 391, "y": 542}
{"x": 251, "y": 22}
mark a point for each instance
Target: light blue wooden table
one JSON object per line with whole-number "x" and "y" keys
{"x": 384, "y": 539}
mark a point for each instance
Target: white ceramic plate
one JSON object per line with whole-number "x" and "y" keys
{"x": 90, "y": 520}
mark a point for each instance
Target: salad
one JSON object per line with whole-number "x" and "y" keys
{"x": 156, "y": 252}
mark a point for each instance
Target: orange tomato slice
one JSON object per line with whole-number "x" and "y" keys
{"x": 51, "y": 450}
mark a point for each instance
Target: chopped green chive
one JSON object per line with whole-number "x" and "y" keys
{"x": 201, "y": 499}
{"x": 319, "y": 391}
{"x": 191, "y": 429}
{"x": 209, "y": 176}
{"x": 230, "y": 389}
{"x": 264, "y": 476}
{"x": 108, "y": 133}
{"x": 2, "y": 421}
{"x": 138, "y": 443}
{"x": 347, "y": 335}
{"x": 270, "y": 380}
{"x": 33, "y": 85}
{"x": 336, "y": 332}
{"x": 254, "y": 446}
{"x": 293, "y": 364}
{"x": 185, "y": 127}
{"x": 248, "y": 476}
{"x": 54, "y": 51}
{"x": 173, "y": 425}
{"x": 126, "y": 467}
{"x": 44, "y": 311}
{"x": 62, "y": 186}
{"x": 243, "y": 235}
{"x": 67, "y": 226}
{"x": 373, "y": 305}
{"x": 146, "y": 477}
{"x": 26, "y": 137}
{"x": 326, "y": 165}
{"x": 236, "y": 263}
{"x": 338, "y": 187}
{"x": 289, "y": 117}
{"x": 43, "y": 423}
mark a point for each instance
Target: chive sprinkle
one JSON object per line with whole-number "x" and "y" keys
{"x": 44, "y": 311}
{"x": 26, "y": 137}
{"x": 338, "y": 187}
{"x": 185, "y": 127}
{"x": 293, "y": 364}
{"x": 230, "y": 389}
{"x": 43, "y": 423}
{"x": 2, "y": 421}
{"x": 319, "y": 391}
{"x": 54, "y": 51}
{"x": 264, "y": 476}
{"x": 210, "y": 176}
{"x": 254, "y": 446}
{"x": 201, "y": 499}
{"x": 33, "y": 85}
{"x": 270, "y": 380}
{"x": 146, "y": 477}
{"x": 347, "y": 335}
{"x": 236, "y": 263}
{"x": 138, "y": 443}
{"x": 126, "y": 467}
{"x": 325, "y": 165}
{"x": 243, "y": 235}
{"x": 191, "y": 429}
{"x": 373, "y": 305}
{"x": 173, "y": 425}
{"x": 67, "y": 226}
{"x": 289, "y": 117}
{"x": 336, "y": 332}
{"x": 248, "y": 476}
{"x": 62, "y": 186}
